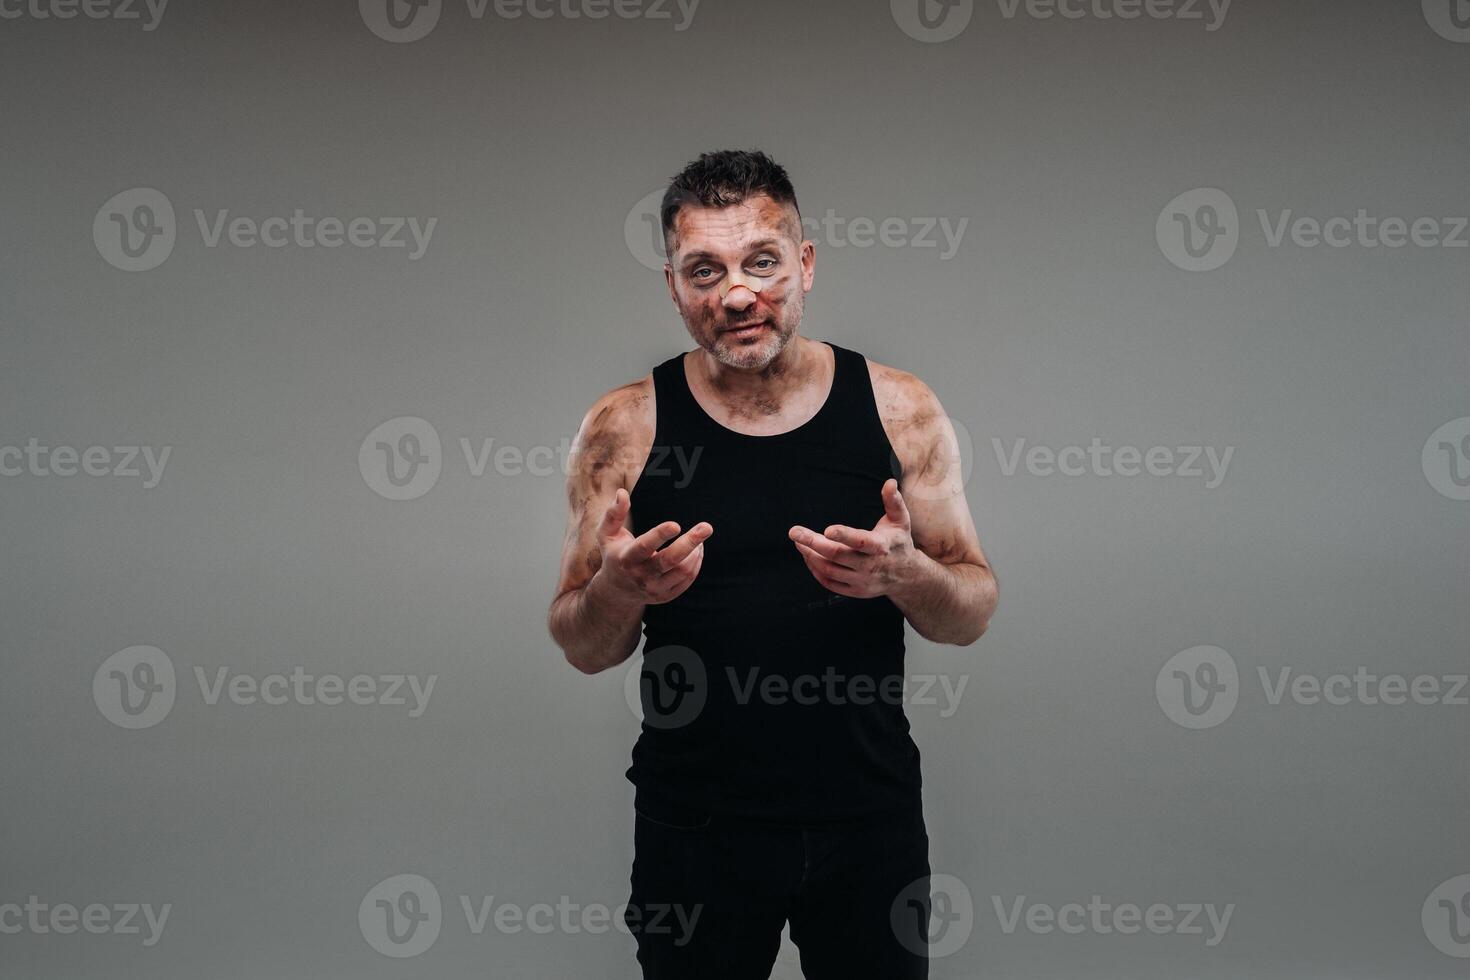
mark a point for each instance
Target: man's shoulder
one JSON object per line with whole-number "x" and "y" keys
{"x": 918, "y": 428}
{"x": 622, "y": 407}
{"x": 616, "y": 433}
{"x": 904, "y": 400}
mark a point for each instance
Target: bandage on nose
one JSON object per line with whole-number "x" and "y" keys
{"x": 729, "y": 283}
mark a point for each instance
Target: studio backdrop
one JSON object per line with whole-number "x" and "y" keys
{"x": 301, "y": 307}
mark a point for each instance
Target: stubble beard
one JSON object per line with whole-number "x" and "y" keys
{"x": 754, "y": 357}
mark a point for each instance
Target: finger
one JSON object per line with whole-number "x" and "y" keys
{"x": 862, "y": 541}
{"x": 826, "y": 547}
{"x": 673, "y": 582}
{"x": 647, "y": 543}
{"x": 685, "y": 569}
{"x": 839, "y": 588}
{"x": 676, "y": 552}
{"x": 835, "y": 585}
{"x": 893, "y": 504}
{"x": 615, "y": 516}
{"x": 823, "y": 568}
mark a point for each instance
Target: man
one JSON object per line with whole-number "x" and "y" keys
{"x": 770, "y": 509}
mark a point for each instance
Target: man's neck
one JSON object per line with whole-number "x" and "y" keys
{"x": 765, "y": 391}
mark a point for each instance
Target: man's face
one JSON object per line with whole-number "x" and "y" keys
{"x": 735, "y": 251}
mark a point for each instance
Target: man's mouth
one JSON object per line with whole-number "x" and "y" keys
{"x": 746, "y": 330}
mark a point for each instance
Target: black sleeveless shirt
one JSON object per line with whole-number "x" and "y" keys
{"x": 764, "y": 695}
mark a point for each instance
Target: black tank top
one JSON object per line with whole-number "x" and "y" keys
{"x": 764, "y": 695}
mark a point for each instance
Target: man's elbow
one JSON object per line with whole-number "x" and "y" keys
{"x": 573, "y": 656}
{"x": 568, "y": 649}
{"x": 989, "y": 598}
{"x": 960, "y": 633}
{"x": 583, "y": 664}
{"x": 974, "y": 626}
{"x": 976, "y": 631}
{"x": 964, "y": 633}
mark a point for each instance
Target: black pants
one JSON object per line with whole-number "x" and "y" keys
{"x": 710, "y": 897}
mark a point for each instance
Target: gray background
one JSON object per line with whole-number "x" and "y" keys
{"x": 1059, "y": 320}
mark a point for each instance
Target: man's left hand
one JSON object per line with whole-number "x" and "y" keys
{"x": 863, "y": 564}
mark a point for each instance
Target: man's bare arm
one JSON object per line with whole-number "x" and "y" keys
{"x": 607, "y": 575}
{"x": 594, "y": 628}
{"x": 949, "y": 592}
{"x": 923, "y": 553}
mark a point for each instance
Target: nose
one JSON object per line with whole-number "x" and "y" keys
{"x": 742, "y": 289}
{"x": 739, "y": 298}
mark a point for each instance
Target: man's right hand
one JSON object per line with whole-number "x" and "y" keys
{"x": 639, "y": 572}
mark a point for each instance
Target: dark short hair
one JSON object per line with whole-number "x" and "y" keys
{"x": 723, "y": 179}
